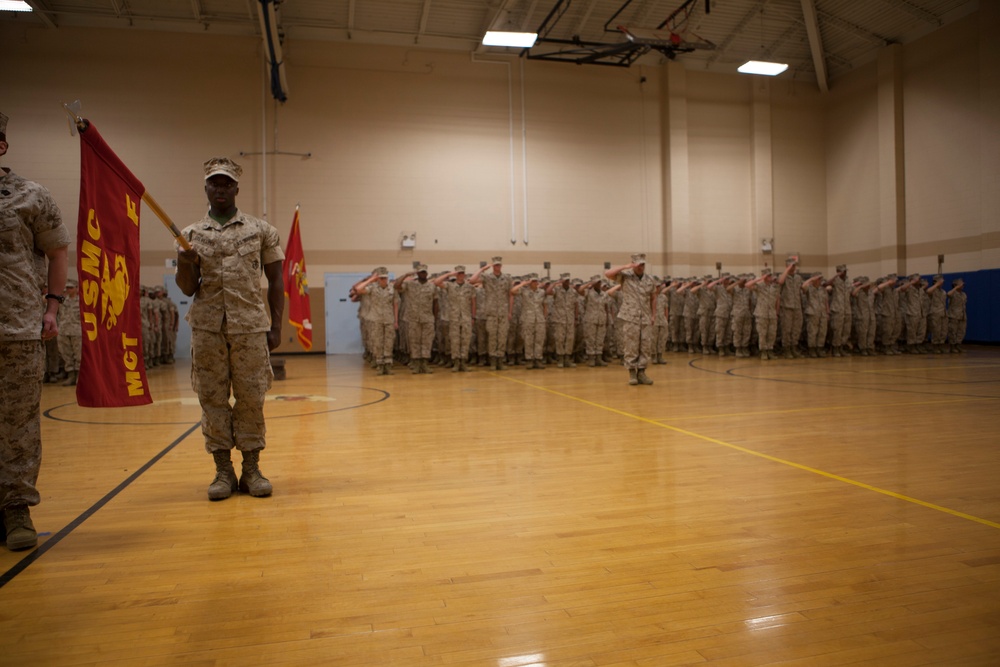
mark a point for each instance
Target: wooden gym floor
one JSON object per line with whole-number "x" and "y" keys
{"x": 737, "y": 512}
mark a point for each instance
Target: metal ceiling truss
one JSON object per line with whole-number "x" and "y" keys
{"x": 614, "y": 54}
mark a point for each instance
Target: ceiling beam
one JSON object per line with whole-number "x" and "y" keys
{"x": 724, "y": 44}
{"x": 196, "y": 9}
{"x": 851, "y": 29}
{"x": 41, "y": 11}
{"x": 526, "y": 24}
{"x": 815, "y": 43}
{"x": 424, "y": 16}
{"x": 916, "y": 12}
{"x": 578, "y": 30}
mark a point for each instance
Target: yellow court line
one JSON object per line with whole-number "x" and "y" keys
{"x": 966, "y": 367}
{"x": 820, "y": 409}
{"x": 768, "y": 457}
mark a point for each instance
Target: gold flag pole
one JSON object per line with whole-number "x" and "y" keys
{"x": 82, "y": 124}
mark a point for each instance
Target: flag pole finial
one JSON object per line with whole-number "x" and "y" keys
{"x": 76, "y": 121}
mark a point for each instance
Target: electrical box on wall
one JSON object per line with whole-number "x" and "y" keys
{"x": 767, "y": 246}
{"x": 408, "y": 240}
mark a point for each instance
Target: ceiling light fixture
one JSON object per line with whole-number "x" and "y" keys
{"x": 524, "y": 40}
{"x": 762, "y": 67}
{"x": 14, "y": 6}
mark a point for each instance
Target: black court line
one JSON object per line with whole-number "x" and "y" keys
{"x": 732, "y": 372}
{"x": 38, "y": 552}
{"x": 385, "y": 395}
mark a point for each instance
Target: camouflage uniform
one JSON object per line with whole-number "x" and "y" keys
{"x": 840, "y": 311}
{"x": 70, "y": 333}
{"x": 816, "y": 319}
{"x": 675, "y": 316}
{"x": 419, "y": 318}
{"x": 957, "y": 300}
{"x": 706, "y": 315}
{"x": 863, "y": 310}
{"x": 459, "y": 300}
{"x": 147, "y": 325}
{"x": 595, "y": 322}
{"x": 723, "y": 314}
{"x": 30, "y": 222}
{"x": 496, "y": 293}
{"x": 533, "y": 323}
{"x": 636, "y": 318}
{"x": 171, "y": 333}
{"x": 791, "y": 314}
{"x": 741, "y": 321}
{"x": 766, "y": 317}
{"x": 661, "y": 331}
{"x": 229, "y": 323}
{"x": 381, "y": 322}
{"x": 938, "y": 314}
{"x": 691, "y": 304}
{"x": 563, "y": 319}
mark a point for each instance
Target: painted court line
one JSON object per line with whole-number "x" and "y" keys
{"x": 828, "y": 408}
{"x": 768, "y": 457}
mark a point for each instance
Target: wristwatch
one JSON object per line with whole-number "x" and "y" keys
{"x": 58, "y": 297}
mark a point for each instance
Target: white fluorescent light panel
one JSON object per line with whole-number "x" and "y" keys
{"x": 14, "y": 6}
{"x": 524, "y": 40}
{"x": 762, "y": 67}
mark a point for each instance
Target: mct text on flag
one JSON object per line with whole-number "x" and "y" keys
{"x": 297, "y": 286}
{"x": 112, "y": 372}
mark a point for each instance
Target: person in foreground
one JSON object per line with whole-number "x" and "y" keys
{"x": 31, "y": 231}
{"x": 233, "y": 329}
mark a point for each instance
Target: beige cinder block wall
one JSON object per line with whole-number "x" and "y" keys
{"x": 913, "y": 154}
{"x": 535, "y": 161}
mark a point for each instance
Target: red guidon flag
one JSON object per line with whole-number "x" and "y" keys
{"x": 297, "y": 286}
{"x": 112, "y": 372}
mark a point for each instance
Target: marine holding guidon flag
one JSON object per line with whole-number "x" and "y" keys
{"x": 232, "y": 328}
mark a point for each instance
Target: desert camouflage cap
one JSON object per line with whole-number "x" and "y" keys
{"x": 841, "y": 268}
{"x": 564, "y": 276}
{"x": 639, "y": 258}
{"x": 420, "y": 267}
{"x": 223, "y": 166}
{"x": 460, "y": 268}
{"x": 532, "y": 276}
{"x": 595, "y": 278}
{"x": 381, "y": 272}
{"x": 765, "y": 271}
{"x": 497, "y": 260}
{"x": 957, "y": 282}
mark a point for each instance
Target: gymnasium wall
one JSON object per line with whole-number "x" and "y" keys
{"x": 536, "y": 161}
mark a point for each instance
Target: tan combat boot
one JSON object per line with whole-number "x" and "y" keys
{"x": 225, "y": 483}
{"x": 20, "y": 531}
{"x": 252, "y": 481}
{"x": 641, "y": 376}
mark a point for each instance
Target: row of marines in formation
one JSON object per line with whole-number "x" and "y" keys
{"x": 159, "y": 334}
{"x": 455, "y": 319}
